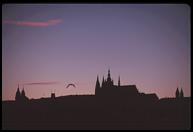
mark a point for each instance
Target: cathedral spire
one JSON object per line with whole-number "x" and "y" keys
{"x": 109, "y": 75}
{"x": 97, "y": 78}
{"x": 181, "y": 93}
{"x": 97, "y": 86}
{"x": 119, "y": 81}
{"x": 17, "y": 96}
{"x": 18, "y": 89}
{"x": 97, "y": 82}
{"x": 23, "y": 92}
{"x": 177, "y": 93}
{"x": 103, "y": 81}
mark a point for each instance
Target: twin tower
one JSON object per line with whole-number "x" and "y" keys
{"x": 179, "y": 94}
{"x": 20, "y": 97}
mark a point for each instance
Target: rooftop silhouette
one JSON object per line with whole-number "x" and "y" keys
{"x": 112, "y": 107}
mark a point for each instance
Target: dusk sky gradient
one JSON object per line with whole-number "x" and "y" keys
{"x": 47, "y": 46}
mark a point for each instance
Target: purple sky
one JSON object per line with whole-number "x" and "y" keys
{"x": 48, "y": 46}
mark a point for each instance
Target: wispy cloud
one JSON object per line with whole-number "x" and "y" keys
{"x": 41, "y": 83}
{"x": 33, "y": 23}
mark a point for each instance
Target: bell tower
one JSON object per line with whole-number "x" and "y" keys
{"x": 97, "y": 87}
{"x": 119, "y": 83}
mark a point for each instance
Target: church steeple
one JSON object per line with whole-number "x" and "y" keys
{"x": 177, "y": 93}
{"x": 119, "y": 83}
{"x": 97, "y": 85}
{"x": 103, "y": 81}
{"x": 23, "y": 92}
{"x": 18, "y": 94}
{"x": 109, "y": 75}
{"x": 18, "y": 89}
{"x": 181, "y": 93}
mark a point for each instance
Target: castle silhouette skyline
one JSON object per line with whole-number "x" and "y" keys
{"x": 117, "y": 107}
{"x": 107, "y": 88}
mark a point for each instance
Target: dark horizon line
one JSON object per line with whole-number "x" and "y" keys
{"x": 48, "y": 97}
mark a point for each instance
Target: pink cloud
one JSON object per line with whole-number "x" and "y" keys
{"x": 33, "y": 23}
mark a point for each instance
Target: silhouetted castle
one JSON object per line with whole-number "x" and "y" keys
{"x": 108, "y": 88}
{"x": 112, "y": 107}
{"x": 20, "y": 97}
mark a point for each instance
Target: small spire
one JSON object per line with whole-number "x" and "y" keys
{"x": 97, "y": 78}
{"x": 177, "y": 93}
{"x": 119, "y": 81}
{"x": 109, "y": 75}
{"x": 18, "y": 88}
{"x": 181, "y": 93}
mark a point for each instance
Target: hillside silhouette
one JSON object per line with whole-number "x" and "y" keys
{"x": 112, "y": 107}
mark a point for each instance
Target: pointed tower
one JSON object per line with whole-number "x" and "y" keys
{"x": 103, "y": 81}
{"x": 23, "y": 92}
{"x": 181, "y": 93}
{"x": 109, "y": 76}
{"x": 18, "y": 94}
{"x": 24, "y": 98}
{"x": 119, "y": 83}
{"x": 177, "y": 93}
{"x": 97, "y": 87}
{"x": 109, "y": 82}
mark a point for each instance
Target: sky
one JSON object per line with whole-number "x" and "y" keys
{"x": 47, "y": 46}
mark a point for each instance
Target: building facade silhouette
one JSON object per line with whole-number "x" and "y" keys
{"x": 20, "y": 96}
{"x": 109, "y": 88}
